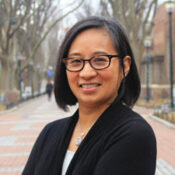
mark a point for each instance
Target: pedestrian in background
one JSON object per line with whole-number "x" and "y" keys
{"x": 49, "y": 89}
{"x": 97, "y": 70}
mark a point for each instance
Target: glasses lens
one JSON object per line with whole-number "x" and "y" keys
{"x": 74, "y": 64}
{"x": 100, "y": 62}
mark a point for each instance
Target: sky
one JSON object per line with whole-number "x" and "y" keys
{"x": 161, "y": 1}
{"x": 68, "y": 21}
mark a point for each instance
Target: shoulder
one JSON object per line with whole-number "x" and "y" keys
{"x": 52, "y": 130}
{"x": 133, "y": 136}
{"x": 131, "y": 126}
{"x": 129, "y": 141}
{"x": 56, "y": 125}
{"x": 50, "y": 134}
{"x": 138, "y": 129}
{"x": 136, "y": 124}
{"x": 129, "y": 117}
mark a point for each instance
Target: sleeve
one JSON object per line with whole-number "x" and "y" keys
{"x": 132, "y": 151}
{"x": 35, "y": 153}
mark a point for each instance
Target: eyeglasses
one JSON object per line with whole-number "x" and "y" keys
{"x": 98, "y": 62}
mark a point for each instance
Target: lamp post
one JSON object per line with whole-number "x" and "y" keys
{"x": 31, "y": 75}
{"x": 147, "y": 44}
{"x": 19, "y": 58}
{"x": 38, "y": 75}
{"x": 170, "y": 6}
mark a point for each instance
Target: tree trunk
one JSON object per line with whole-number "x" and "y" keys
{"x": 4, "y": 76}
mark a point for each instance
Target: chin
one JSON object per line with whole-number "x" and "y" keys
{"x": 95, "y": 101}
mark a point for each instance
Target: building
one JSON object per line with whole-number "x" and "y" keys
{"x": 159, "y": 78}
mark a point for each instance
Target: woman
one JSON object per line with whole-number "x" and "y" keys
{"x": 95, "y": 68}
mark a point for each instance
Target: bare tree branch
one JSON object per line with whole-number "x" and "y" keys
{"x": 37, "y": 45}
{"x": 136, "y": 16}
{"x": 22, "y": 19}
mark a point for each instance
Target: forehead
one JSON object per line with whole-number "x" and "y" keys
{"x": 91, "y": 33}
{"x": 91, "y": 40}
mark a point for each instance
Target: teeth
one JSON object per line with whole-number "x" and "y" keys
{"x": 89, "y": 85}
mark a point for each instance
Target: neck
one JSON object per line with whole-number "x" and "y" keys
{"x": 88, "y": 115}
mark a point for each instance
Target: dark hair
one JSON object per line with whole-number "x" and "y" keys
{"x": 130, "y": 87}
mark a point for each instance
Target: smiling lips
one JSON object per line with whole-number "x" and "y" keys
{"x": 89, "y": 88}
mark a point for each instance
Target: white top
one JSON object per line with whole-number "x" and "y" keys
{"x": 67, "y": 159}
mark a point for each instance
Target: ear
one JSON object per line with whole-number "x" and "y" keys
{"x": 126, "y": 64}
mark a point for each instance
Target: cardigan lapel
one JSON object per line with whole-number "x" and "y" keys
{"x": 63, "y": 143}
{"x": 95, "y": 132}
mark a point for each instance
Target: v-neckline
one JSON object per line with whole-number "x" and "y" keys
{"x": 96, "y": 128}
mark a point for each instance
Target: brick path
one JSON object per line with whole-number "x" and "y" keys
{"x": 165, "y": 135}
{"x": 20, "y": 127}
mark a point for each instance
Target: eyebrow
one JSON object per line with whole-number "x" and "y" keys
{"x": 95, "y": 53}
{"x": 100, "y": 53}
{"x": 74, "y": 54}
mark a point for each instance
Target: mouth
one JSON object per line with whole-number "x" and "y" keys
{"x": 87, "y": 86}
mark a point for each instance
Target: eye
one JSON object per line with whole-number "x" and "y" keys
{"x": 74, "y": 61}
{"x": 100, "y": 59}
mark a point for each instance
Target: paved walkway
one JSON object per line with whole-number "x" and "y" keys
{"x": 20, "y": 127}
{"x": 165, "y": 135}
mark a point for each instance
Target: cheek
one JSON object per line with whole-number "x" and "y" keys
{"x": 72, "y": 79}
{"x": 113, "y": 78}
{"x": 114, "y": 74}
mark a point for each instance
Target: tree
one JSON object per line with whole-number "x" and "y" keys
{"x": 87, "y": 10}
{"x": 137, "y": 18}
{"x": 24, "y": 26}
{"x": 12, "y": 16}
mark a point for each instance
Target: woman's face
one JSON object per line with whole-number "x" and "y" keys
{"x": 90, "y": 86}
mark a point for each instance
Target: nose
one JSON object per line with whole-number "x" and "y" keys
{"x": 87, "y": 72}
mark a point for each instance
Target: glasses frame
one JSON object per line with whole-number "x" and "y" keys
{"x": 89, "y": 60}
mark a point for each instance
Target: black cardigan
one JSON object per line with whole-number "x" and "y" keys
{"x": 121, "y": 142}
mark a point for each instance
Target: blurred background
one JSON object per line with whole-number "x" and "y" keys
{"x": 30, "y": 35}
{"x": 31, "y": 32}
